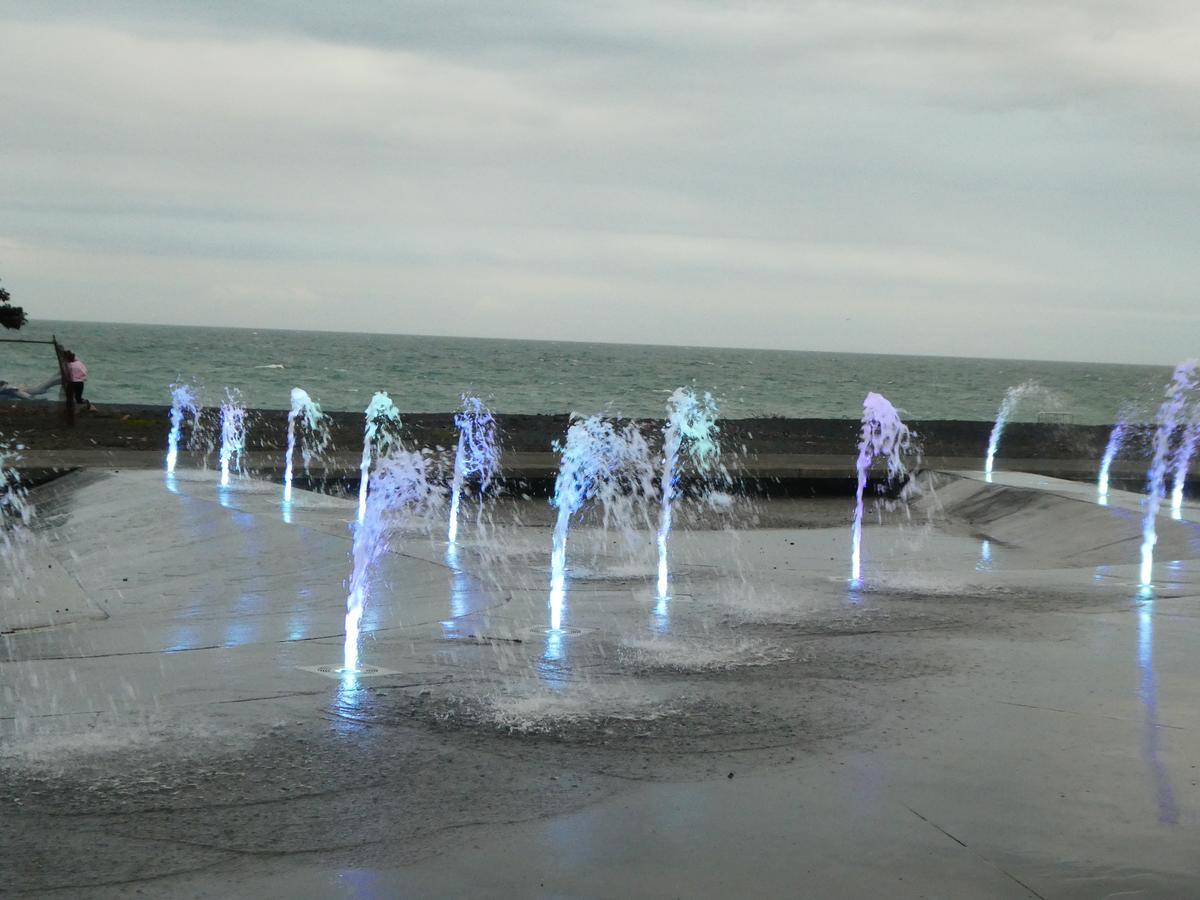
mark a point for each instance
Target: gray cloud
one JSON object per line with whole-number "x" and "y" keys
{"x": 1009, "y": 179}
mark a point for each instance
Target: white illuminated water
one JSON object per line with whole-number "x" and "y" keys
{"x": 1183, "y": 460}
{"x": 603, "y": 460}
{"x": 1116, "y": 438}
{"x": 381, "y": 432}
{"x": 884, "y": 436}
{"x": 1182, "y": 383}
{"x": 477, "y": 455}
{"x": 1007, "y": 407}
{"x": 306, "y": 416}
{"x": 690, "y": 431}
{"x": 183, "y": 407}
{"x": 233, "y": 434}
{"x": 401, "y": 491}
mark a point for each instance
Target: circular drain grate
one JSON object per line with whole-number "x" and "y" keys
{"x": 339, "y": 670}
{"x": 333, "y": 670}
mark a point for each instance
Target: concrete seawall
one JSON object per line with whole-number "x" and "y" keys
{"x": 774, "y": 455}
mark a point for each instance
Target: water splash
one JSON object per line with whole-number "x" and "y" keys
{"x": 690, "y": 429}
{"x": 383, "y": 424}
{"x": 598, "y": 459}
{"x": 1182, "y": 383}
{"x": 401, "y": 490}
{"x": 233, "y": 434}
{"x": 1007, "y": 406}
{"x": 477, "y": 455}
{"x": 883, "y": 435}
{"x": 16, "y": 512}
{"x": 184, "y": 406}
{"x": 1116, "y": 438}
{"x": 1183, "y": 461}
{"x": 314, "y": 435}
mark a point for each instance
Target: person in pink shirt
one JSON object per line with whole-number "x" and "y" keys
{"x": 77, "y": 373}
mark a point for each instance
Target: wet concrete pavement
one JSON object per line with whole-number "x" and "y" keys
{"x": 993, "y": 712}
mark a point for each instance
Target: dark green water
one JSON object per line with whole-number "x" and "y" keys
{"x": 137, "y": 363}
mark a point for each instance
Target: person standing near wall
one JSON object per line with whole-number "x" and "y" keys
{"x": 77, "y": 373}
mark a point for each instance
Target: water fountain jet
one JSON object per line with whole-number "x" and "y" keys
{"x": 690, "y": 429}
{"x": 1183, "y": 460}
{"x": 1007, "y": 406}
{"x": 883, "y": 435}
{"x": 1116, "y": 438}
{"x": 16, "y": 511}
{"x": 601, "y": 459}
{"x": 1182, "y": 383}
{"x": 401, "y": 490}
{"x": 184, "y": 406}
{"x": 233, "y": 434}
{"x": 314, "y": 435}
{"x": 477, "y": 454}
{"x": 383, "y": 424}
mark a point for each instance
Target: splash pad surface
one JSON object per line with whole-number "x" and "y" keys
{"x": 992, "y": 712}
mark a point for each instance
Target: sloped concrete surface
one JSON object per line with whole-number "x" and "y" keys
{"x": 994, "y": 712}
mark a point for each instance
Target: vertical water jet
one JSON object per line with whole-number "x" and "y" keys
{"x": 690, "y": 430}
{"x": 1007, "y": 406}
{"x": 883, "y": 435}
{"x": 1183, "y": 460}
{"x": 233, "y": 434}
{"x": 1116, "y": 438}
{"x": 183, "y": 407}
{"x": 476, "y": 456}
{"x": 1183, "y": 381}
{"x": 598, "y": 459}
{"x": 306, "y": 415}
{"x": 400, "y": 491}
{"x": 382, "y": 427}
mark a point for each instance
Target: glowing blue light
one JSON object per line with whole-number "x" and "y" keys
{"x": 1007, "y": 407}
{"x": 402, "y": 488}
{"x": 459, "y": 584}
{"x": 183, "y": 405}
{"x": 452, "y": 531}
{"x": 1183, "y": 460}
{"x": 985, "y": 557}
{"x": 554, "y": 650}
{"x": 883, "y": 435}
{"x": 1115, "y": 438}
{"x": 690, "y": 429}
{"x": 662, "y": 610}
{"x": 597, "y": 458}
{"x": 185, "y": 638}
{"x": 1182, "y": 382}
{"x": 557, "y": 602}
{"x": 383, "y": 423}
{"x": 314, "y": 435}
{"x": 477, "y": 454}
{"x": 233, "y": 434}
{"x": 1168, "y": 809}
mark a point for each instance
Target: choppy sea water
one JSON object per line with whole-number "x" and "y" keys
{"x": 137, "y": 363}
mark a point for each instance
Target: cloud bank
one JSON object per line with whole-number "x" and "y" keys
{"x": 927, "y": 177}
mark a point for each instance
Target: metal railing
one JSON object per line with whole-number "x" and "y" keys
{"x": 63, "y": 374}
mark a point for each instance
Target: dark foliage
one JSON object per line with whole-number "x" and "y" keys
{"x": 11, "y": 317}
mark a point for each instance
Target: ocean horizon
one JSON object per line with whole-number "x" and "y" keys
{"x": 137, "y": 363}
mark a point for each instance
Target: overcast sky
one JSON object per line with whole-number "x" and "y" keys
{"x": 972, "y": 178}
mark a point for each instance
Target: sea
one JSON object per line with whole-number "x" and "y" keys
{"x": 139, "y": 363}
